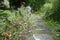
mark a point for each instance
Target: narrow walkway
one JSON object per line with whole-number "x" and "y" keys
{"x": 40, "y": 31}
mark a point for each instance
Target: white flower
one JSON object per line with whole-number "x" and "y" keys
{"x": 6, "y": 3}
{"x": 28, "y": 8}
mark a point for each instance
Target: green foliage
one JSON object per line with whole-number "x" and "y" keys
{"x": 54, "y": 26}
{"x": 51, "y": 9}
{"x": 56, "y": 11}
{"x": 35, "y": 4}
{"x": 46, "y": 7}
{"x": 16, "y": 22}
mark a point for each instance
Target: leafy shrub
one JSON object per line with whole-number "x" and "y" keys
{"x": 13, "y": 25}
